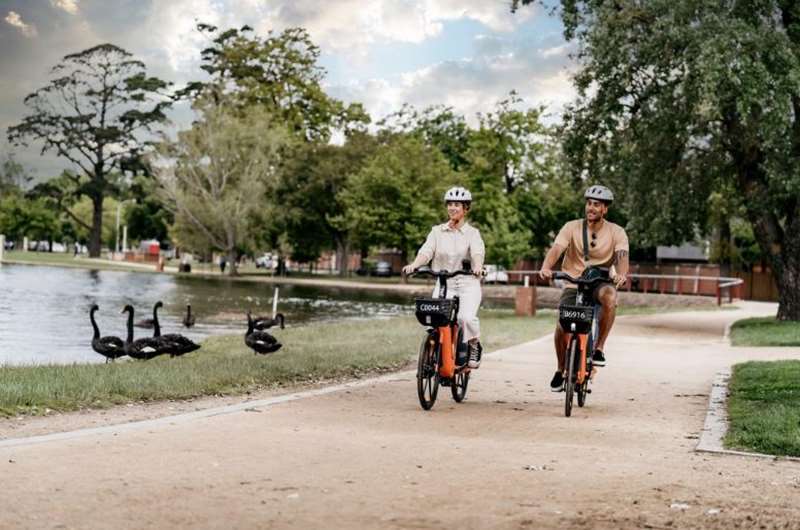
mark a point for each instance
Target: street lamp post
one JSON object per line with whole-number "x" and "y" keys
{"x": 119, "y": 211}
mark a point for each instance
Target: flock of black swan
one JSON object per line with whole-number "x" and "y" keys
{"x": 175, "y": 344}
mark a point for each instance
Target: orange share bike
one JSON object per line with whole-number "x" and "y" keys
{"x": 580, "y": 323}
{"x": 443, "y": 358}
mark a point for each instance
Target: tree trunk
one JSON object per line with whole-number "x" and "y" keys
{"x": 787, "y": 274}
{"x": 96, "y": 234}
{"x": 342, "y": 255}
{"x": 725, "y": 247}
{"x": 231, "y": 257}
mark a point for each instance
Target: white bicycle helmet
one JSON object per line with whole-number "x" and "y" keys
{"x": 458, "y": 194}
{"x": 600, "y": 193}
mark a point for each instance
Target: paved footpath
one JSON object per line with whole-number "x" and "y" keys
{"x": 369, "y": 457}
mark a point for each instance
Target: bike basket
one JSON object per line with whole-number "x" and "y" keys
{"x": 435, "y": 312}
{"x": 581, "y": 316}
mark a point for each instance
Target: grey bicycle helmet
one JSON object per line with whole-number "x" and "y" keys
{"x": 600, "y": 193}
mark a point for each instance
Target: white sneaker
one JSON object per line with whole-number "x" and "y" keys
{"x": 475, "y": 350}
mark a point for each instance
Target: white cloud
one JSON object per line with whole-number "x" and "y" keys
{"x": 172, "y": 31}
{"x": 351, "y": 26}
{"x": 473, "y": 85}
{"x": 555, "y": 51}
{"x": 15, "y": 20}
{"x": 496, "y": 15}
{"x": 70, "y": 6}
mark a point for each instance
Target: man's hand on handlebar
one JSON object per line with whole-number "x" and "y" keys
{"x": 545, "y": 274}
{"x": 620, "y": 280}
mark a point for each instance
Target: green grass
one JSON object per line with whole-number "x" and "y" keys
{"x": 65, "y": 259}
{"x": 764, "y": 408}
{"x": 224, "y": 365}
{"x": 765, "y": 331}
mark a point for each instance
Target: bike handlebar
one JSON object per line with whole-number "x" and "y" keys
{"x": 558, "y": 275}
{"x": 443, "y": 274}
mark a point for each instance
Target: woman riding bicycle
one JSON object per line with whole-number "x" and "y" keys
{"x": 447, "y": 246}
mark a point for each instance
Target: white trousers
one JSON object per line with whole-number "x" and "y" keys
{"x": 468, "y": 290}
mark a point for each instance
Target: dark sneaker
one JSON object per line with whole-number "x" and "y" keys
{"x": 557, "y": 383}
{"x": 475, "y": 350}
{"x": 598, "y": 359}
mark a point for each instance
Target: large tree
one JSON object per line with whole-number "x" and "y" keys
{"x": 95, "y": 113}
{"x": 308, "y": 196}
{"x": 213, "y": 177}
{"x": 396, "y": 197}
{"x": 678, "y": 99}
{"x": 278, "y": 72}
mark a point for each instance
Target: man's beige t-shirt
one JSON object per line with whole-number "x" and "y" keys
{"x": 609, "y": 239}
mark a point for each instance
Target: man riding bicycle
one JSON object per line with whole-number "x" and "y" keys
{"x": 447, "y": 246}
{"x": 589, "y": 242}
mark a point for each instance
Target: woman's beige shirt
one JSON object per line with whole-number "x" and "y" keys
{"x": 448, "y": 247}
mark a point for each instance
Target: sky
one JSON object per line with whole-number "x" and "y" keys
{"x": 467, "y": 54}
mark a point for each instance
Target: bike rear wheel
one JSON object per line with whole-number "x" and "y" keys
{"x": 569, "y": 381}
{"x": 459, "y": 386}
{"x": 582, "y": 391}
{"x": 428, "y": 372}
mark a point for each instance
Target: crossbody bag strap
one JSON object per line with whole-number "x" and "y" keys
{"x": 585, "y": 243}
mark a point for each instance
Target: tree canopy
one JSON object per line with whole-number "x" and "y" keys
{"x": 214, "y": 176}
{"x": 679, "y": 99}
{"x": 95, "y": 113}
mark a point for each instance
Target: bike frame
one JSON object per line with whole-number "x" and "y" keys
{"x": 447, "y": 338}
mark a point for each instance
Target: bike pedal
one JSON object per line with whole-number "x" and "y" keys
{"x": 588, "y": 390}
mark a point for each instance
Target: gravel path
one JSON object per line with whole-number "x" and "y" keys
{"x": 369, "y": 457}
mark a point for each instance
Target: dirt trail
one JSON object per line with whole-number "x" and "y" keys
{"x": 369, "y": 457}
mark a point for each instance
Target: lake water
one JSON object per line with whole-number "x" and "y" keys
{"x": 44, "y": 310}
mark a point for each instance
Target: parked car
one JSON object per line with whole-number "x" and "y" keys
{"x": 496, "y": 274}
{"x": 382, "y": 268}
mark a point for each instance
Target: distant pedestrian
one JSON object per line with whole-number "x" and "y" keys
{"x": 222, "y": 263}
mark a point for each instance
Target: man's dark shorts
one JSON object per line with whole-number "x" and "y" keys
{"x": 569, "y": 294}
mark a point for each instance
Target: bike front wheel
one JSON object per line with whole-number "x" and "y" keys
{"x": 569, "y": 382}
{"x": 459, "y": 386}
{"x": 428, "y": 372}
{"x": 583, "y": 388}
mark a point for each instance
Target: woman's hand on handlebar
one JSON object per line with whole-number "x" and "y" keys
{"x": 408, "y": 269}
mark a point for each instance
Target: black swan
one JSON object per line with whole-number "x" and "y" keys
{"x": 109, "y": 347}
{"x": 174, "y": 343}
{"x": 262, "y": 323}
{"x": 188, "y": 320}
{"x": 147, "y": 323}
{"x": 260, "y": 341}
{"x": 145, "y": 348}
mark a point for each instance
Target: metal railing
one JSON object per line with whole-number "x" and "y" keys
{"x": 659, "y": 283}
